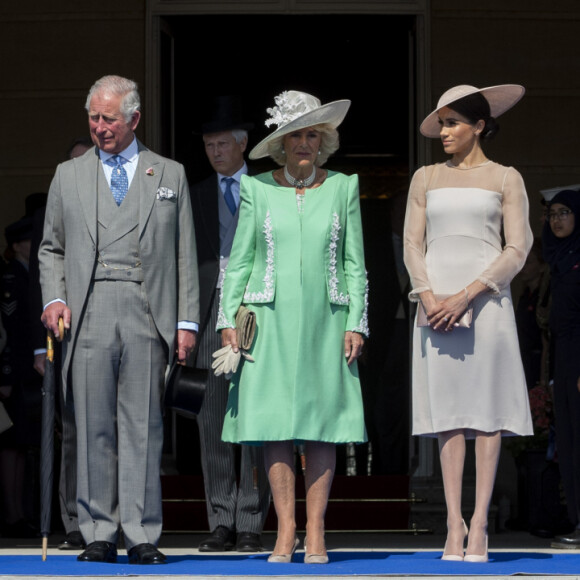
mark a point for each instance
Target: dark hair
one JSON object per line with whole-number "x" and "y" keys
{"x": 474, "y": 108}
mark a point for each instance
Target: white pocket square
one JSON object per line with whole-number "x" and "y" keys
{"x": 166, "y": 193}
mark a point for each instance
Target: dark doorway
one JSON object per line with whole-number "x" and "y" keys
{"x": 362, "y": 58}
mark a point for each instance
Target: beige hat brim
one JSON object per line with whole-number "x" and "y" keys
{"x": 500, "y": 99}
{"x": 331, "y": 114}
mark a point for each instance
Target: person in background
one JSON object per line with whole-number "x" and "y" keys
{"x": 529, "y": 333}
{"x": 235, "y": 512}
{"x": 20, "y": 390}
{"x": 561, "y": 239}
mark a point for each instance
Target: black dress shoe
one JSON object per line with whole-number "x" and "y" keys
{"x": 221, "y": 540}
{"x": 99, "y": 552}
{"x": 568, "y": 541}
{"x": 146, "y": 554}
{"x": 72, "y": 541}
{"x": 249, "y": 542}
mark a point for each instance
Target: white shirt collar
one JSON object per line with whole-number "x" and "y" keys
{"x": 130, "y": 154}
{"x": 243, "y": 170}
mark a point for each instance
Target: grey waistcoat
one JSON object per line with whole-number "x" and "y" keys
{"x": 118, "y": 234}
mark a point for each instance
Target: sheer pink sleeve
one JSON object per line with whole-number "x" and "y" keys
{"x": 517, "y": 232}
{"x": 414, "y": 235}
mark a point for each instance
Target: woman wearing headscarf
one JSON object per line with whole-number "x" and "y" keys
{"x": 468, "y": 380}
{"x": 561, "y": 239}
{"x": 297, "y": 262}
{"x": 19, "y": 387}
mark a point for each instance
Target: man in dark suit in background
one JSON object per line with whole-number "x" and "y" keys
{"x": 235, "y": 512}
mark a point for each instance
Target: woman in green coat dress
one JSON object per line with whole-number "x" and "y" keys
{"x": 297, "y": 261}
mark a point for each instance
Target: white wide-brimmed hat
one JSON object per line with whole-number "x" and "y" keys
{"x": 296, "y": 110}
{"x": 500, "y": 99}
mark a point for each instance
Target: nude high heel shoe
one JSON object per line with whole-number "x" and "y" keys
{"x": 284, "y": 558}
{"x": 476, "y": 558}
{"x": 456, "y": 557}
{"x": 314, "y": 558}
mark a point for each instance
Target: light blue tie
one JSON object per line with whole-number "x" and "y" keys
{"x": 228, "y": 195}
{"x": 119, "y": 180}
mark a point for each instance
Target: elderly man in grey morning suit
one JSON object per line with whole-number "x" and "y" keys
{"x": 118, "y": 264}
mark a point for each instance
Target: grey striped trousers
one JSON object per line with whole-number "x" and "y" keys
{"x": 239, "y": 506}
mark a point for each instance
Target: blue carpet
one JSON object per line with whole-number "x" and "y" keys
{"x": 341, "y": 564}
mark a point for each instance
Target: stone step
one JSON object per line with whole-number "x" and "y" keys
{"x": 357, "y": 503}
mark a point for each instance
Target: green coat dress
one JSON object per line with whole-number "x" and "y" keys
{"x": 303, "y": 275}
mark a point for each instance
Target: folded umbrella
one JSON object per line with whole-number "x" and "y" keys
{"x": 47, "y": 440}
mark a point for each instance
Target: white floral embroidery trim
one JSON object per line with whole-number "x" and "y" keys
{"x": 222, "y": 321}
{"x": 336, "y": 297}
{"x": 363, "y": 325}
{"x": 267, "y": 294}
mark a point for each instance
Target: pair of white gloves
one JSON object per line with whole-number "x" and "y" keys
{"x": 226, "y": 361}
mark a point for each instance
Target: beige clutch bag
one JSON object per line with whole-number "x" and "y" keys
{"x": 245, "y": 327}
{"x": 463, "y": 322}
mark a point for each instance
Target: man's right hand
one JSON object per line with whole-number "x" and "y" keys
{"x": 51, "y": 315}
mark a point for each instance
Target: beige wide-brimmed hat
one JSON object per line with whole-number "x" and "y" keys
{"x": 296, "y": 110}
{"x": 500, "y": 99}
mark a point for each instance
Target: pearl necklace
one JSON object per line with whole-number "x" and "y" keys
{"x": 300, "y": 183}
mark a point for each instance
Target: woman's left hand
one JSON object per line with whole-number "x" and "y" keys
{"x": 353, "y": 344}
{"x": 449, "y": 312}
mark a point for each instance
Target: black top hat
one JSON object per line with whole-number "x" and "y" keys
{"x": 18, "y": 231}
{"x": 185, "y": 389}
{"x": 225, "y": 114}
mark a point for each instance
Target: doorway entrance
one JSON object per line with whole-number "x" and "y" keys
{"x": 366, "y": 58}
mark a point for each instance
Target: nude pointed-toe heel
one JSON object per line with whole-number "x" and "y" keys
{"x": 456, "y": 557}
{"x": 314, "y": 558}
{"x": 478, "y": 558}
{"x": 284, "y": 558}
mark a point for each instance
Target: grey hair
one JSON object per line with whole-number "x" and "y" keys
{"x": 239, "y": 135}
{"x": 116, "y": 85}
{"x": 329, "y": 144}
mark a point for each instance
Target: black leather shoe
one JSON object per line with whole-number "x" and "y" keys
{"x": 249, "y": 542}
{"x": 568, "y": 541}
{"x": 99, "y": 552}
{"x": 145, "y": 554}
{"x": 72, "y": 541}
{"x": 221, "y": 540}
